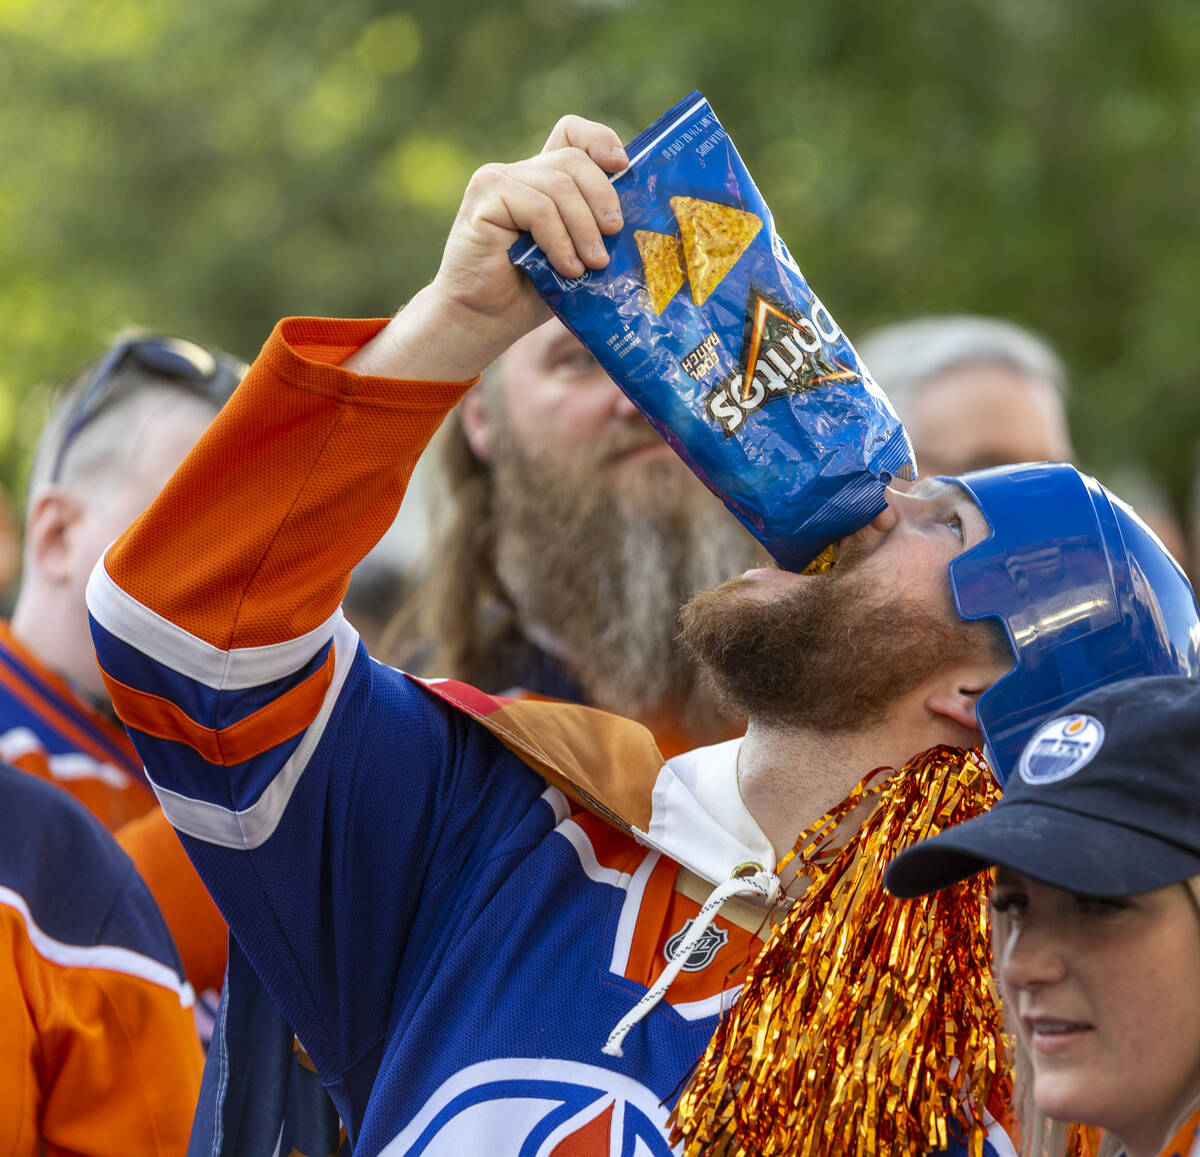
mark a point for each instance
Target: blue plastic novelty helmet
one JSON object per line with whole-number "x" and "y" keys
{"x": 1085, "y": 590}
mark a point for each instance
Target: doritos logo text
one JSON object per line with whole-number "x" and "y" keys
{"x": 784, "y": 353}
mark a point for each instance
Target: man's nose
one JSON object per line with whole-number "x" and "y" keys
{"x": 1032, "y": 956}
{"x": 896, "y": 496}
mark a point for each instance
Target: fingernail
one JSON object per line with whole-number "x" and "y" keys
{"x": 612, "y": 217}
{"x": 599, "y": 253}
{"x": 618, "y": 155}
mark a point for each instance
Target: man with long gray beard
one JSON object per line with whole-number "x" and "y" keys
{"x": 572, "y": 537}
{"x": 472, "y": 909}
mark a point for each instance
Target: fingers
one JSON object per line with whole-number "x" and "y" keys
{"x": 584, "y": 198}
{"x": 545, "y": 219}
{"x": 562, "y": 198}
{"x": 599, "y": 142}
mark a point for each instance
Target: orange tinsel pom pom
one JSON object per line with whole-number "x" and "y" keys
{"x": 869, "y": 1026}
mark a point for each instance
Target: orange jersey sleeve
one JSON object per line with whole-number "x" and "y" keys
{"x": 218, "y": 627}
{"x": 331, "y": 453}
{"x": 98, "y": 1047}
{"x": 96, "y": 1060}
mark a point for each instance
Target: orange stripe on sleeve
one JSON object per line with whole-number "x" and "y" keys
{"x": 45, "y": 710}
{"x": 267, "y": 727}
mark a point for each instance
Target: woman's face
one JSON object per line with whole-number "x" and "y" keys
{"x": 1105, "y": 995}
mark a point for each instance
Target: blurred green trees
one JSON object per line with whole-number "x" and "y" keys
{"x": 210, "y": 167}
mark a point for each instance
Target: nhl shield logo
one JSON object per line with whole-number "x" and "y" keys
{"x": 706, "y": 947}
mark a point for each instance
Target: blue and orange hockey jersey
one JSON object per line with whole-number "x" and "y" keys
{"x": 47, "y": 730}
{"x": 98, "y": 1053}
{"x": 442, "y": 891}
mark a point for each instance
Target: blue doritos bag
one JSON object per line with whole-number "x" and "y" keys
{"x": 703, "y": 318}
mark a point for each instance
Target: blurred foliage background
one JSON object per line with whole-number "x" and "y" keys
{"x": 207, "y": 168}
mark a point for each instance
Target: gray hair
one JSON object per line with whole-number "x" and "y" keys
{"x": 904, "y": 356}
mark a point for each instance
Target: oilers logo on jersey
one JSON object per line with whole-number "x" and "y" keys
{"x": 537, "y": 1108}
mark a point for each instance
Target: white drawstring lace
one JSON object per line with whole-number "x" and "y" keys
{"x": 762, "y": 884}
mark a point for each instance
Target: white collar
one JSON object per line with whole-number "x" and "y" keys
{"x": 698, "y": 817}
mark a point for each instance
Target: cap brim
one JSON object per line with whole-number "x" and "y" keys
{"x": 1066, "y": 849}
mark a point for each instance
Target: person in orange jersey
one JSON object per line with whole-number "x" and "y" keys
{"x": 1096, "y": 917}
{"x": 98, "y": 1053}
{"x": 121, "y": 426}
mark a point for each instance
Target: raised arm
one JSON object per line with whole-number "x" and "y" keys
{"x": 366, "y": 394}
{"x": 277, "y": 748}
{"x": 479, "y": 303}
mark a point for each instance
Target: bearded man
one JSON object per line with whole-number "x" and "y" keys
{"x": 482, "y": 916}
{"x": 573, "y": 535}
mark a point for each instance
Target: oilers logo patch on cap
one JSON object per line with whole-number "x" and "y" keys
{"x": 1060, "y": 748}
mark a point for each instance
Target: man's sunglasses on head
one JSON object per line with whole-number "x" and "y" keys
{"x": 209, "y": 373}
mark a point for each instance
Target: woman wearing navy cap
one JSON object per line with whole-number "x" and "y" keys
{"x": 1096, "y": 844}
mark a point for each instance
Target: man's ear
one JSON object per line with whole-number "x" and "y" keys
{"x": 52, "y": 516}
{"x": 956, "y": 696}
{"x": 476, "y": 424}
{"x": 956, "y": 704}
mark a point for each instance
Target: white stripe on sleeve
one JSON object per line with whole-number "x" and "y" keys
{"x": 103, "y": 956}
{"x": 147, "y": 631}
{"x": 254, "y": 825}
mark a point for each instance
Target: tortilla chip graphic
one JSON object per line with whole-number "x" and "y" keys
{"x": 662, "y": 260}
{"x": 714, "y": 237}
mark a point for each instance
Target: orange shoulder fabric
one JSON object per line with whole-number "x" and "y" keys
{"x": 605, "y": 763}
{"x": 93, "y": 1061}
{"x": 196, "y": 925}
